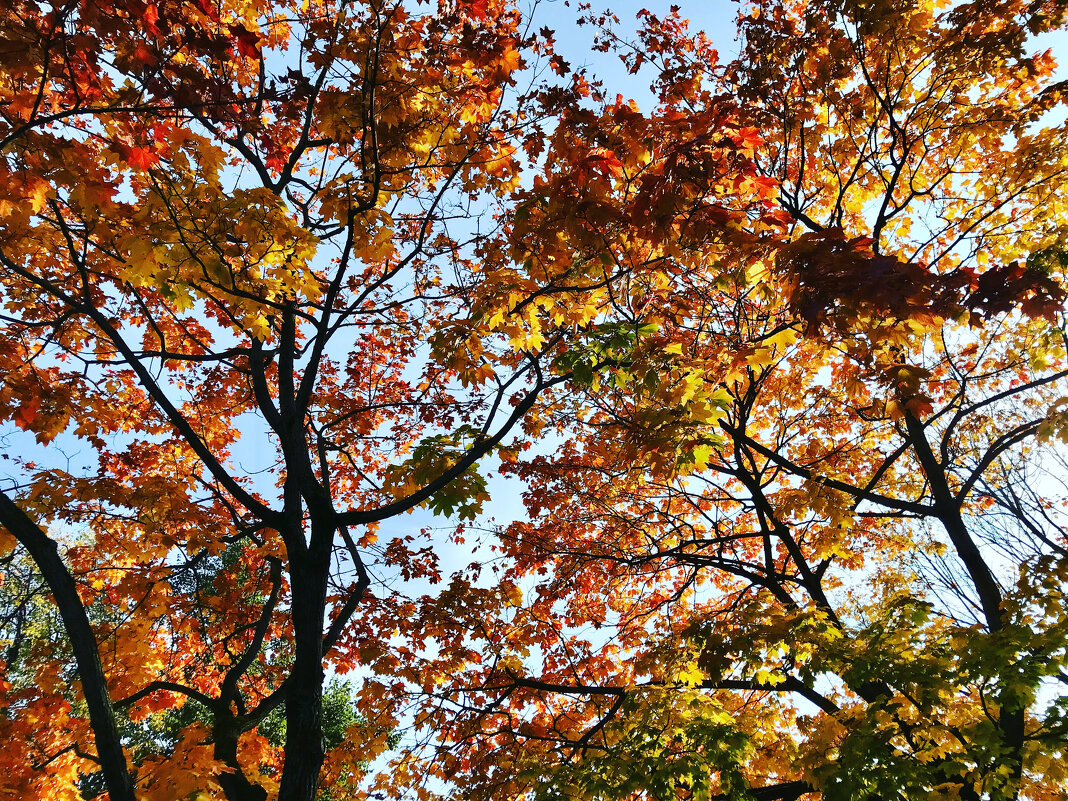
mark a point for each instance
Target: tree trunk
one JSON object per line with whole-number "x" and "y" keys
{"x": 304, "y": 699}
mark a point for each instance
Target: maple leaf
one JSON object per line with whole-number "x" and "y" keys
{"x": 144, "y": 55}
{"x": 140, "y": 158}
{"x": 150, "y": 16}
{"x": 247, "y": 43}
{"x": 27, "y": 412}
{"x": 476, "y": 9}
{"x": 604, "y": 160}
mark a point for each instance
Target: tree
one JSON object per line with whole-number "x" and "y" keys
{"x": 291, "y": 225}
{"x": 805, "y": 558}
{"x": 772, "y": 358}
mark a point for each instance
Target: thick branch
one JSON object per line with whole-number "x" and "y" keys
{"x": 46, "y": 556}
{"x": 811, "y": 475}
{"x": 358, "y": 517}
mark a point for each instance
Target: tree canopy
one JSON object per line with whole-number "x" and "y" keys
{"x": 291, "y": 293}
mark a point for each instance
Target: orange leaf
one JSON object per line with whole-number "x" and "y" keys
{"x": 140, "y": 158}
{"x": 26, "y": 413}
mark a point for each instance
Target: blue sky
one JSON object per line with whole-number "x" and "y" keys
{"x": 574, "y": 43}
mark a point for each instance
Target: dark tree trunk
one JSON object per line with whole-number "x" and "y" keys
{"x": 304, "y": 698}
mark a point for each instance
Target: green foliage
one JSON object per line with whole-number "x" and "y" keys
{"x": 607, "y": 350}
{"x": 1051, "y": 261}
{"x": 661, "y": 746}
{"x": 431, "y": 459}
{"x": 339, "y": 713}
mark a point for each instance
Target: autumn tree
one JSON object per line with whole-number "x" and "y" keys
{"x": 819, "y": 550}
{"x": 271, "y": 277}
{"x": 777, "y": 360}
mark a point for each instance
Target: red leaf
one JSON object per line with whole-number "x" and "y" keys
{"x": 27, "y": 413}
{"x": 143, "y": 55}
{"x": 246, "y": 42}
{"x": 140, "y": 158}
{"x": 208, "y": 8}
{"x": 151, "y": 16}
{"x": 477, "y": 9}
{"x": 604, "y": 160}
